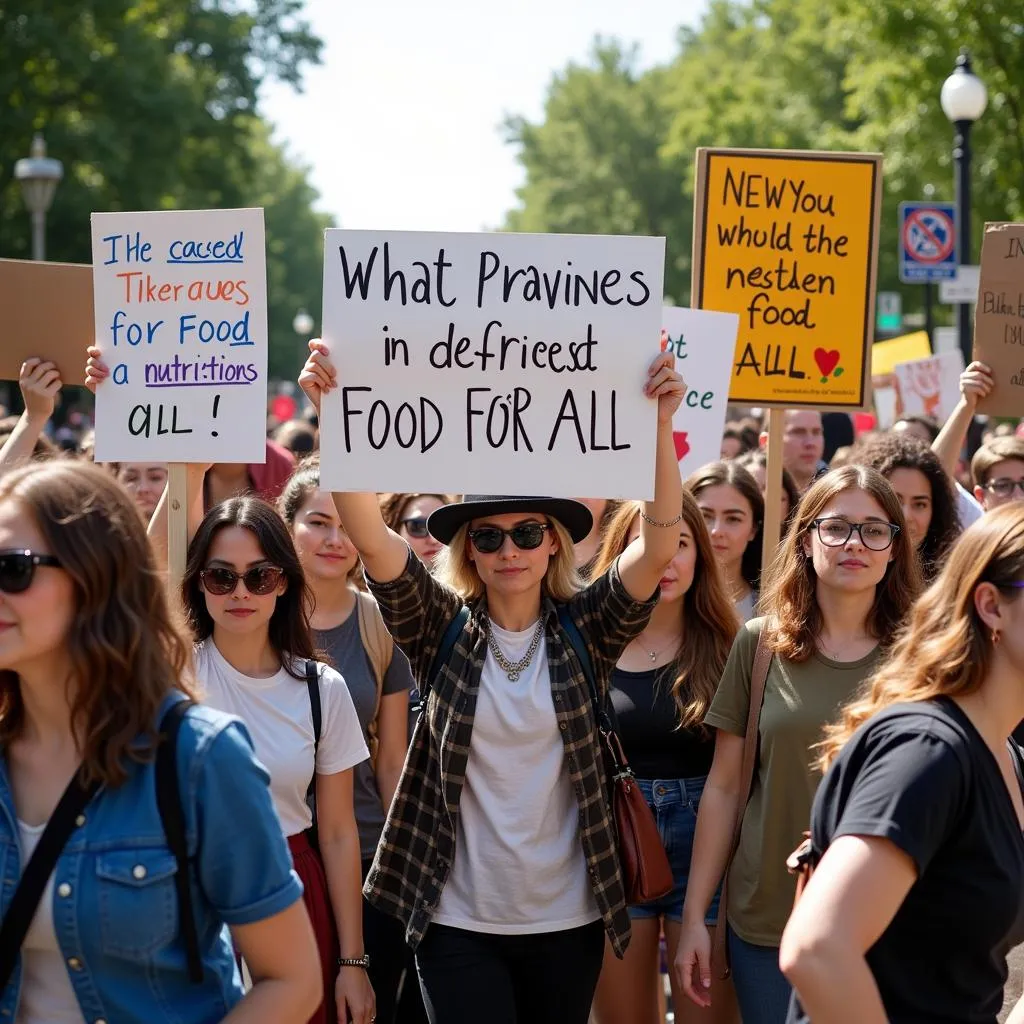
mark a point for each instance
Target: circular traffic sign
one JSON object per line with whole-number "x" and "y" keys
{"x": 928, "y": 236}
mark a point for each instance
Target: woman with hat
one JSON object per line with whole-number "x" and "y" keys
{"x": 499, "y": 853}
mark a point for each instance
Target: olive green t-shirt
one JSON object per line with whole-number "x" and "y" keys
{"x": 799, "y": 700}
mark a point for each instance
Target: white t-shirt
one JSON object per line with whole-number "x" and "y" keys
{"x": 277, "y": 714}
{"x": 968, "y": 507}
{"x": 46, "y": 993}
{"x": 519, "y": 866}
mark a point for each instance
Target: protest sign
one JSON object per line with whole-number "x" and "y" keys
{"x": 930, "y": 387}
{"x": 999, "y": 318}
{"x": 703, "y": 343}
{"x": 491, "y": 363}
{"x": 181, "y": 320}
{"x": 904, "y": 349}
{"x": 789, "y": 241}
{"x": 46, "y": 313}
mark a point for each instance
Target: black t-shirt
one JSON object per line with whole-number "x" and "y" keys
{"x": 648, "y": 725}
{"x": 921, "y": 776}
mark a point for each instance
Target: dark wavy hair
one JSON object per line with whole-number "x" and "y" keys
{"x": 127, "y": 648}
{"x": 729, "y": 473}
{"x": 889, "y": 452}
{"x": 289, "y": 631}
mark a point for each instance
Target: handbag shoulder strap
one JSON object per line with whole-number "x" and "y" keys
{"x": 172, "y": 815}
{"x": 313, "y": 686}
{"x": 758, "y": 680}
{"x": 379, "y": 649}
{"x": 38, "y": 870}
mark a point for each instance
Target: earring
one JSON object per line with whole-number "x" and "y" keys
{"x": 995, "y": 637}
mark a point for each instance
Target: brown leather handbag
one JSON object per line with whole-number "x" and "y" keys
{"x": 646, "y": 872}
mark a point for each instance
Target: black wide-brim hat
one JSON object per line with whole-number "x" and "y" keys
{"x": 573, "y": 515}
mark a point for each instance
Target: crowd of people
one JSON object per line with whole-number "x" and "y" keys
{"x": 352, "y": 767}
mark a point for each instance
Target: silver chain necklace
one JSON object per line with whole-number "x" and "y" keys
{"x": 513, "y": 669}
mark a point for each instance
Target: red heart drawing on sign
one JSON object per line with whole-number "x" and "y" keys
{"x": 826, "y": 360}
{"x": 682, "y": 445}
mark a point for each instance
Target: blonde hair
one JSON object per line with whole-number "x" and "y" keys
{"x": 946, "y": 650}
{"x": 454, "y": 568}
{"x": 790, "y": 600}
{"x": 708, "y": 616}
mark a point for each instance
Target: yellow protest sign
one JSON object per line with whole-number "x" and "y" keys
{"x": 789, "y": 241}
{"x": 905, "y": 349}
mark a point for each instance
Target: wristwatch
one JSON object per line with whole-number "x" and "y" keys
{"x": 359, "y": 961}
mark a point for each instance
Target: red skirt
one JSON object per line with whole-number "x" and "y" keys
{"x": 310, "y": 870}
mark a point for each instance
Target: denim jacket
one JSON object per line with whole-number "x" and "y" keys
{"x": 115, "y": 908}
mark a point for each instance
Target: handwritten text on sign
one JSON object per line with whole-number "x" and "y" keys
{"x": 788, "y": 241}
{"x": 999, "y": 317}
{"x": 181, "y": 320}
{"x": 498, "y": 363}
{"x": 703, "y": 344}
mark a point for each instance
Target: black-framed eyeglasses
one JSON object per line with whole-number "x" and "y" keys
{"x": 834, "y": 533}
{"x": 18, "y": 568}
{"x": 1005, "y": 487}
{"x": 527, "y": 536}
{"x": 416, "y": 526}
{"x": 259, "y": 580}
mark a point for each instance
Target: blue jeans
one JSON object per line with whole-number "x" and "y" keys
{"x": 674, "y": 804}
{"x": 761, "y": 988}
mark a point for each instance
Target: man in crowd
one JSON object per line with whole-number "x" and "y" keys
{"x": 803, "y": 444}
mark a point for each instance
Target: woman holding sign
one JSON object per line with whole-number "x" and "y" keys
{"x": 846, "y": 578}
{"x": 499, "y": 854}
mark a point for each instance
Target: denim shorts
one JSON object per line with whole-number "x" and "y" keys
{"x": 674, "y": 803}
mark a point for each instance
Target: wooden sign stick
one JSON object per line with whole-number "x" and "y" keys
{"x": 773, "y": 491}
{"x": 177, "y": 528}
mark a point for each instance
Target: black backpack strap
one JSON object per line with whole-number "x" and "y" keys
{"x": 444, "y": 651}
{"x": 572, "y": 633}
{"x": 313, "y": 685}
{"x": 38, "y": 870}
{"x": 168, "y": 802}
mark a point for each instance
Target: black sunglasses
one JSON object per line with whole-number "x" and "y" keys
{"x": 259, "y": 580}
{"x": 17, "y": 568}
{"x": 416, "y": 526}
{"x": 526, "y": 536}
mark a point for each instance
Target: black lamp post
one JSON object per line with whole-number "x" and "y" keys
{"x": 38, "y": 175}
{"x": 963, "y": 101}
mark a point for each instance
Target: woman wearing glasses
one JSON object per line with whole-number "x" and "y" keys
{"x": 499, "y": 853}
{"x": 845, "y": 579}
{"x": 246, "y": 600}
{"x": 917, "y": 825}
{"x": 407, "y": 515}
{"x": 91, "y": 666}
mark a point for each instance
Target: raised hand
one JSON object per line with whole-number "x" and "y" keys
{"x": 666, "y": 385}
{"x": 96, "y": 371}
{"x": 318, "y": 376}
{"x": 40, "y": 383}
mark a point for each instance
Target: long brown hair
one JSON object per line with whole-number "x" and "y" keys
{"x": 790, "y": 600}
{"x": 392, "y": 506}
{"x": 946, "y": 650}
{"x": 289, "y": 631}
{"x": 127, "y": 651}
{"x": 709, "y": 619}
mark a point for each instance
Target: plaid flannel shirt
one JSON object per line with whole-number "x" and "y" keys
{"x": 416, "y": 851}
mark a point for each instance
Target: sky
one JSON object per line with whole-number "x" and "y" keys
{"x": 401, "y": 124}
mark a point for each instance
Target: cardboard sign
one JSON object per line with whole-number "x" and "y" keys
{"x": 46, "y": 313}
{"x": 181, "y": 319}
{"x": 789, "y": 241}
{"x": 999, "y": 318}
{"x": 930, "y": 387}
{"x": 703, "y": 344}
{"x": 491, "y": 363}
{"x": 904, "y": 349}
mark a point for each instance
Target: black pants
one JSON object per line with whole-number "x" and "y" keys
{"x": 548, "y": 978}
{"x": 392, "y": 968}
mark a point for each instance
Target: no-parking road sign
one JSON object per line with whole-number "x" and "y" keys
{"x": 927, "y": 242}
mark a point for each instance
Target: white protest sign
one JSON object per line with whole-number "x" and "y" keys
{"x": 181, "y": 320}
{"x": 491, "y": 363}
{"x": 930, "y": 387}
{"x": 703, "y": 343}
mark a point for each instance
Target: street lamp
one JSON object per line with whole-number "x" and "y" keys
{"x": 38, "y": 175}
{"x": 963, "y": 100}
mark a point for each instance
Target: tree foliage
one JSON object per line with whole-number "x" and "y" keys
{"x": 152, "y": 104}
{"x": 860, "y": 75}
